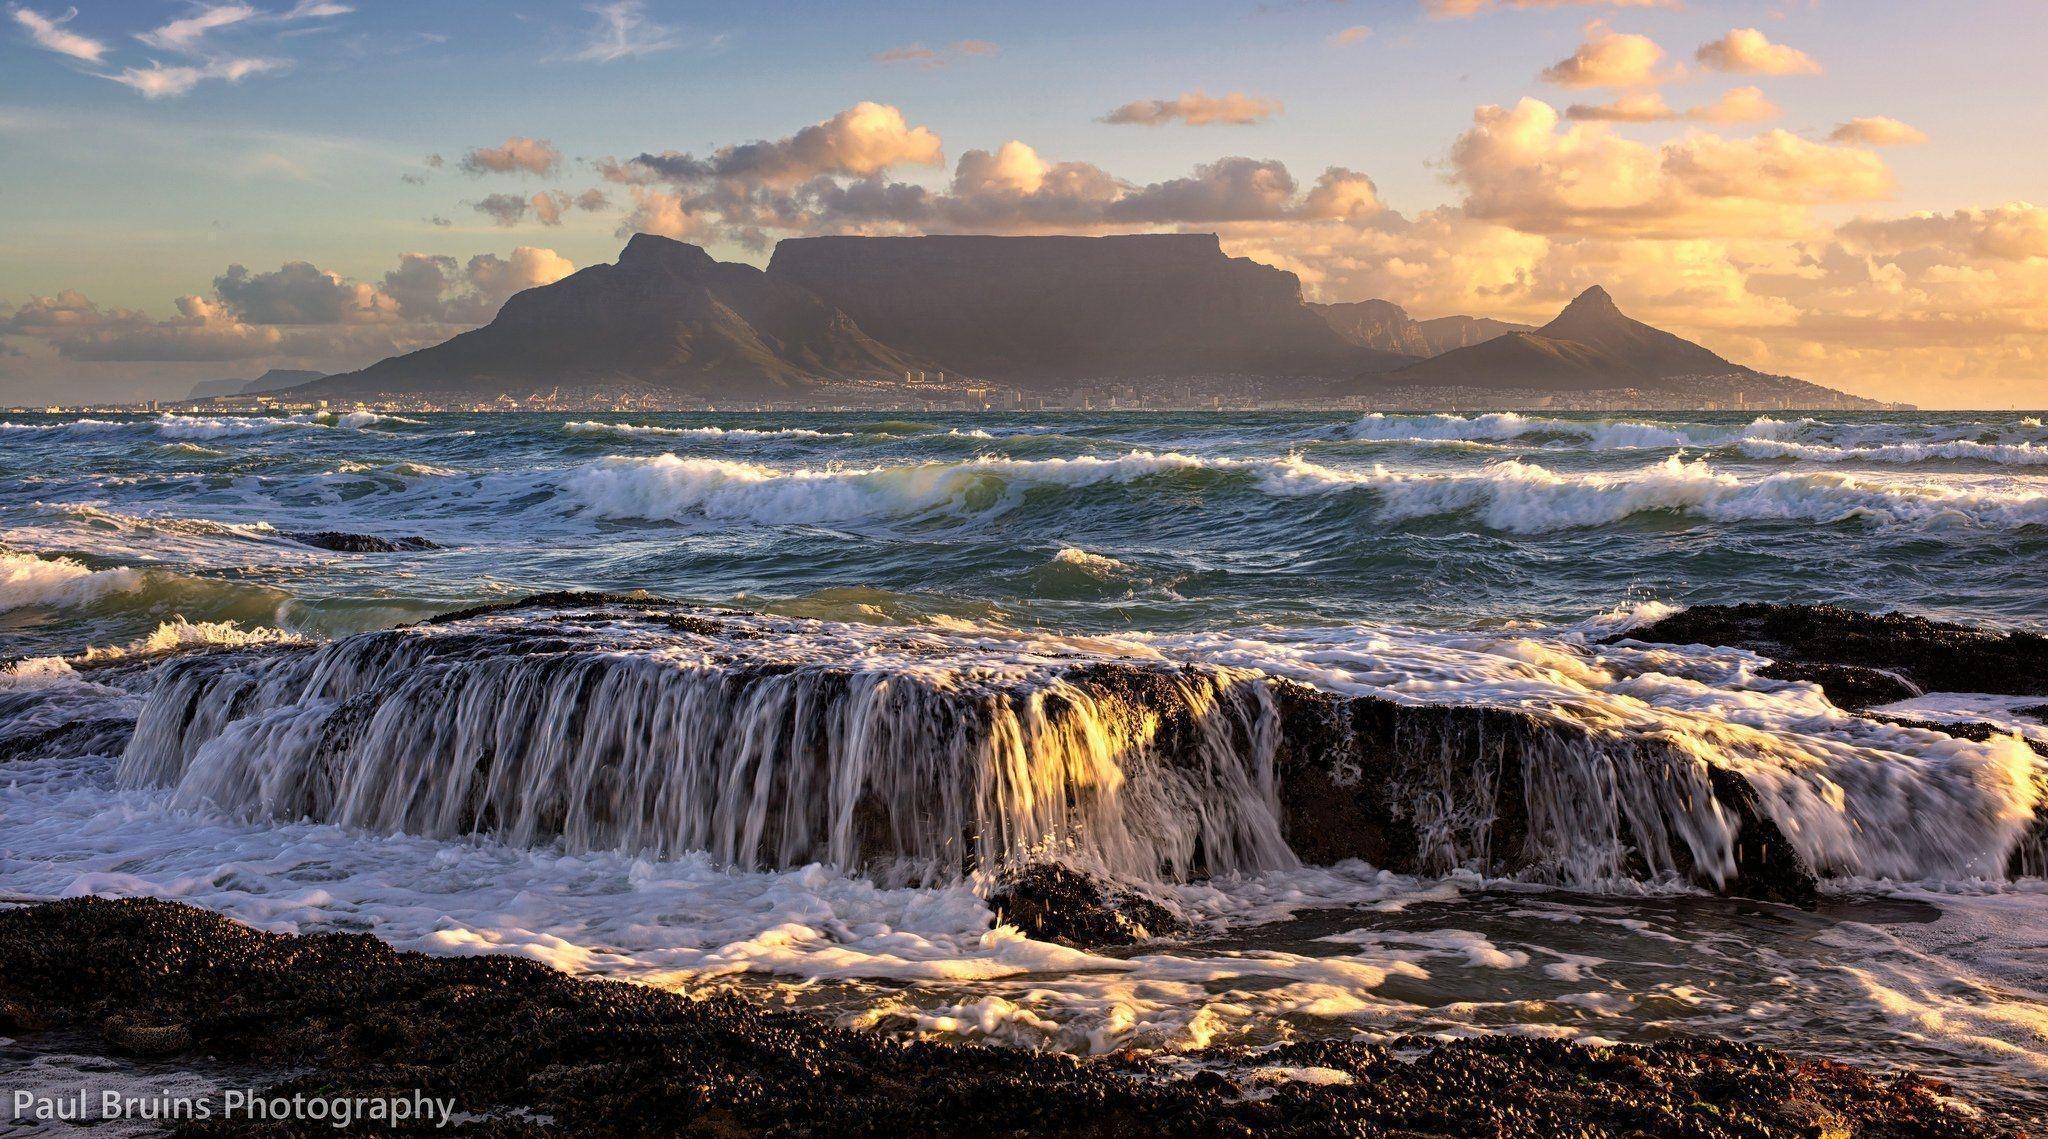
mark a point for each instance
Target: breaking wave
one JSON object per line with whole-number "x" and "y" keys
{"x": 591, "y": 427}
{"x": 1955, "y": 450}
{"x": 27, "y": 580}
{"x": 1514, "y": 496}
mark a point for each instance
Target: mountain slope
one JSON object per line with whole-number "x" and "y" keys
{"x": 1591, "y": 345}
{"x": 666, "y": 315}
{"x": 1448, "y": 332}
{"x": 1387, "y": 326}
{"x": 274, "y": 380}
{"x": 1038, "y": 311}
{"x": 1377, "y": 324}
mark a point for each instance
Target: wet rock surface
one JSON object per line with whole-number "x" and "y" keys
{"x": 1047, "y": 901}
{"x": 1934, "y": 656}
{"x": 525, "y": 1050}
{"x": 342, "y": 542}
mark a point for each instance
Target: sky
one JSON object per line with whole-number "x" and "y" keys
{"x": 1834, "y": 189}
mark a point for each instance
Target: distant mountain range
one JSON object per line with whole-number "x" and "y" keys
{"x": 1035, "y": 313}
{"x": 274, "y": 380}
{"x": 1388, "y": 327}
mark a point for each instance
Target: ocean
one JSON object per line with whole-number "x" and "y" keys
{"x": 1464, "y": 560}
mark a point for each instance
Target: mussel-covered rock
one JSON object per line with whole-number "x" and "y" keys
{"x": 1053, "y": 902}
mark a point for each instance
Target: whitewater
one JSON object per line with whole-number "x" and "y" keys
{"x": 873, "y": 575}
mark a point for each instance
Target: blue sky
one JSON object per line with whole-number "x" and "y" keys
{"x": 319, "y": 155}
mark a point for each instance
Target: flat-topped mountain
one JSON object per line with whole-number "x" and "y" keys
{"x": 666, "y": 315}
{"x": 1035, "y": 311}
{"x": 1388, "y": 327}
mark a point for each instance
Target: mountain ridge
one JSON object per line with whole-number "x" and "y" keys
{"x": 1046, "y": 313}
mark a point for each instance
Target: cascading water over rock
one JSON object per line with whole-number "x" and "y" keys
{"x": 923, "y": 755}
{"x": 767, "y": 745}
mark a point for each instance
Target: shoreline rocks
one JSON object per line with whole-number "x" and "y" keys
{"x": 343, "y": 542}
{"x": 529, "y": 1051}
{"x": 1839, "y": 649}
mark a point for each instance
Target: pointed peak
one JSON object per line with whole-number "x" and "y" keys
{"x": 650, "y": 248}
{"x": 1593, "y": 300}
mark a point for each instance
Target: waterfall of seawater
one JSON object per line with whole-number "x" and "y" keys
{"x": 921, "y": 756}
{"x": 933, "y": 769}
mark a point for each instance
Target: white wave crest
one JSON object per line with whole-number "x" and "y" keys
{"x": 357, "y": 420}
{"x": 202, "y": 427}
{"x": 666, "y": 487}
{"x": 591, "y": 427}
{"x": 27, "y": 580}
{"x": 74, "y": 426}
{"x": 2003, "y": 454}
{"x": 1525, "y": 497}
{"x": 1504, "y": 426}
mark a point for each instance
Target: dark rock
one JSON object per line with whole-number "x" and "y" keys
{"x": 136, "y": 1035}
{"x": 535, "y": 1052}
{"x": 1053, "y": 902}
{"x": 1850, "y": 687}
{"x": 1422, "y": 789}
{"x": 342, "y": 542}
{"x": 1937, "y": 656}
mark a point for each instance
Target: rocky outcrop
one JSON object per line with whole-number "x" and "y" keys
{"x": 667, "y": 315}
{"x": 1839, "y": 647}
{"x": 525, "y": 1050}
{"x": 1049, "y": 901}
{"x": 343, "y": 542}
{"x": 787, "y": 742}
{"x": 1038, "y": 311}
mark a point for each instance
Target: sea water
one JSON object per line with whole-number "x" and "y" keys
{"x": 1433, "y": 558}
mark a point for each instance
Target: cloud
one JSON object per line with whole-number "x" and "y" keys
{"x": 532, "y": 155}
{"x": 183, "y": 35}
{"x": 1878, "y": 131}
{"x": 1608, "y": 58}
{"x": 159, "y": 82}
{"x": 918, "y": 55}
{"x": 1460, "y": 9}
{"x": 593, "y": 200}
{"x": 202, "y": 331}
{"x": 1741, "y": 105}
{"x": 502, "y": 209}
{"x": 435, "y": 289}
{"x": 1750, "y": 52}
{"x": 865, "y": 139}
{"x": 548, "y": 206}
{"x": 68, "y": 311}
{"x": 295, "y": 312}
{"x": 1518, "y": 168}
{"x": 48, "y": 33}
{"x": 1196, "y": 110}
{"x": 2017, "y": 231}
{"x": 623, "y": 31}
{"x": 1356, "y": 33}
{"x": 300, "y": 293}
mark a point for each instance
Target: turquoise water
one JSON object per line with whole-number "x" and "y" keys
{"x": 1076, "y": 521}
